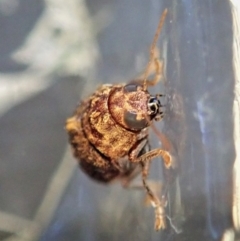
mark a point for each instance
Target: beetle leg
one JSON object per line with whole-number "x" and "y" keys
{"x": 156, "y": 68}
{"x": 141, "y": 136}
{"x": 117, "y": 166}
{"x": 154, "y": 56}
{"x": 167, "y": 158}
{"x": 158, "y": 72}
{"x": 158, "y": 204}
{"x": 141, "y": 148}
{"x": 136, "y": 150}
{"x": 141, "y": 154}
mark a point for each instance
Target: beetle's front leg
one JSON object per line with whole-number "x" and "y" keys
{"x": 144, "y": 160}
{"x": 158, "y": 204}
{"x": 140, "y": 148}
{"x": 167, "y": 158}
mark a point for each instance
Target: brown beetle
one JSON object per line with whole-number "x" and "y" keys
{"x": 109, "y": 131}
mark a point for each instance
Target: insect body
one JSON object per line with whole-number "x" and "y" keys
{"x": 109, "y": 131}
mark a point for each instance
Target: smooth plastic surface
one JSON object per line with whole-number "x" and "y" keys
{"x": 195, "y": 45}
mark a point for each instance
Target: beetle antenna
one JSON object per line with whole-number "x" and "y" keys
{"x": 153, "y": 48}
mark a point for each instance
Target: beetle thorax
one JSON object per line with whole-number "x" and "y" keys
{"x": 128, "y": 106}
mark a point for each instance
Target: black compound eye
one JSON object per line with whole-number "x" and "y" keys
{"x": 153, "y": 108}
{"x": 153, "y": 105}
{"x": 130, "y": 88}
{"x": 132, "y": 122}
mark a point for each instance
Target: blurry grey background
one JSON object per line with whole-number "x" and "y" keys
{"x": 54, "y": 53}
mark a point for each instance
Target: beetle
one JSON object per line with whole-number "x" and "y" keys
{"x": 109, "y": 131}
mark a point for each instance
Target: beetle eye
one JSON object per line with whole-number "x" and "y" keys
{"x": 153, "y": 108}
{"x": 130, "y": 88}
{"x": 153, "y": 105}
{"x": 132, "y": 122}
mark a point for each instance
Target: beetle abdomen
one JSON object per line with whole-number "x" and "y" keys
{"x": 91, "y": 161}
